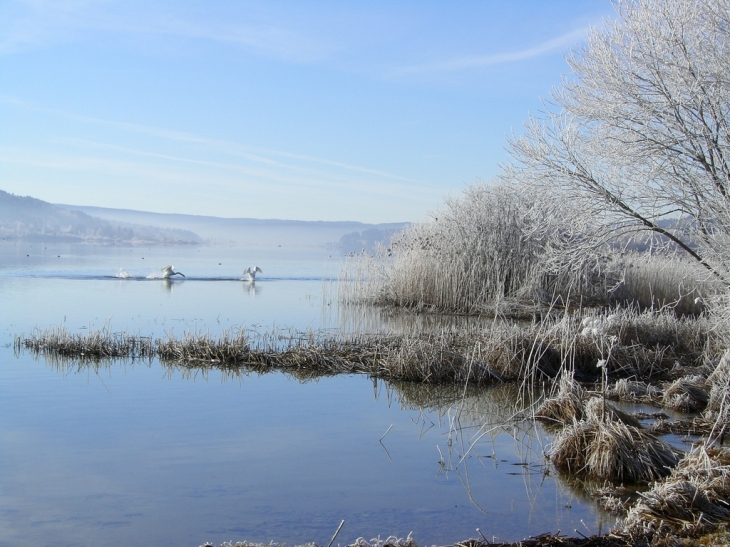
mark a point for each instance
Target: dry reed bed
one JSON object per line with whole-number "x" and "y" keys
{"x": 599, "y": 441}
{"x": 612, "y": 450}
{"x": 572, "y": 402}
{"x": 98, "y": 344}
{"x": 693, "y": 499}
{"x": 473, "y": 253}
{"x": 689, "y": 492}
{"x": 646, "y": 345}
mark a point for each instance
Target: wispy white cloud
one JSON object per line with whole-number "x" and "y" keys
{"x": 28, "y": 24}
{"x": 482, "y": 61}
{"x": 266, "y": 38}
{"x": 271, "y": 171}
{"x": 207, "y": 160}
{"x": 173, "y": 172}
{"x": 31, "y": 24}
{"x": 255, "y": 154}
{"x": 333, "y": 36}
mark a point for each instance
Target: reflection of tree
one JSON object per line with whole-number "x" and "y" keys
{"x": 501, "y": 400}
{"x": 366, "y": 319}
{"x": 471, "y": 419}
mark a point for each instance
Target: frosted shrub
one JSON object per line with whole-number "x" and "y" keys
{"x": 473, "y": 253}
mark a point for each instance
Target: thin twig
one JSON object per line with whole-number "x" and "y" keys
{"x": 336, "y": 532}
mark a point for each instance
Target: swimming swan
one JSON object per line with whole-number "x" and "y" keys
{"x": 169, "y": 271}
{"x": 251, "y": 272}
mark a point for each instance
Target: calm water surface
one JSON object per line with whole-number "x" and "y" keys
{"x": 143, "y": 454}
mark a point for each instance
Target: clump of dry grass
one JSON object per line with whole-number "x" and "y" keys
{"x": 686, "y": 394}
{"x": 566, "y": 405}
{"x": 558, "y": 540}
{"x": 613, "y": 450}
{"x": 718, "y": 405}
{"x": 614, "y": 539}
{"x": 96, "y": 344}
{"x": 390, "y": 541}
{"x": 503, "y": 352}
{"x": 647, "y": 344}
{"x": 596, "y": 408}
{"x": 228, "y": 348}
{"x": 437, "y": 359}
{"x": 694, "y": 426}
{"x": 254, "y": 544}
{"x": 693, "y": 498}
{"x": 573, "y": 403}
{"x": 431, "y": 358}
{"x": 634, "y": 392}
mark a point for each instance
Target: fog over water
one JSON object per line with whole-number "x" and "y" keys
{"x": 141, "y": 453}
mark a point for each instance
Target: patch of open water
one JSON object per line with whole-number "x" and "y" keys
{"x": 140, "y": 453}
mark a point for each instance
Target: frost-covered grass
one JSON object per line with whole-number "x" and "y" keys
{"x": 481, "y": 254}
{"x": 473, "y": 253}
{"x": 629, "y": 343}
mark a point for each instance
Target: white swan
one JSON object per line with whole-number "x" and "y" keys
{"x": 169, "y": 271}
{"x": 251, "y": 272}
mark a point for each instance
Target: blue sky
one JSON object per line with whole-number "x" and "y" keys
{"x": 370, "y": 111}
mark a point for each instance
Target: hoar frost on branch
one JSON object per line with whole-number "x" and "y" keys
{"x": 637, "y": 140}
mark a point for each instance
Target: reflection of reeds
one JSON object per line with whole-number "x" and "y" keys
{"x": 494, "y": 404}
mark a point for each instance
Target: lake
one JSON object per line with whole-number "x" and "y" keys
{"x": 139, "y": 453}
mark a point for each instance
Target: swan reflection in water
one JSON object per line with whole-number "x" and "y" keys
{"x": 250, "y": 287}
{"x": 169, "y": 284}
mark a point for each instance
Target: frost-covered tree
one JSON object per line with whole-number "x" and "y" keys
{"x": 637, "y": 139}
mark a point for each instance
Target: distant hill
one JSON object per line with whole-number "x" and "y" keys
{"x": 31, "y": 218}
{"x": 345, "y": 235}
